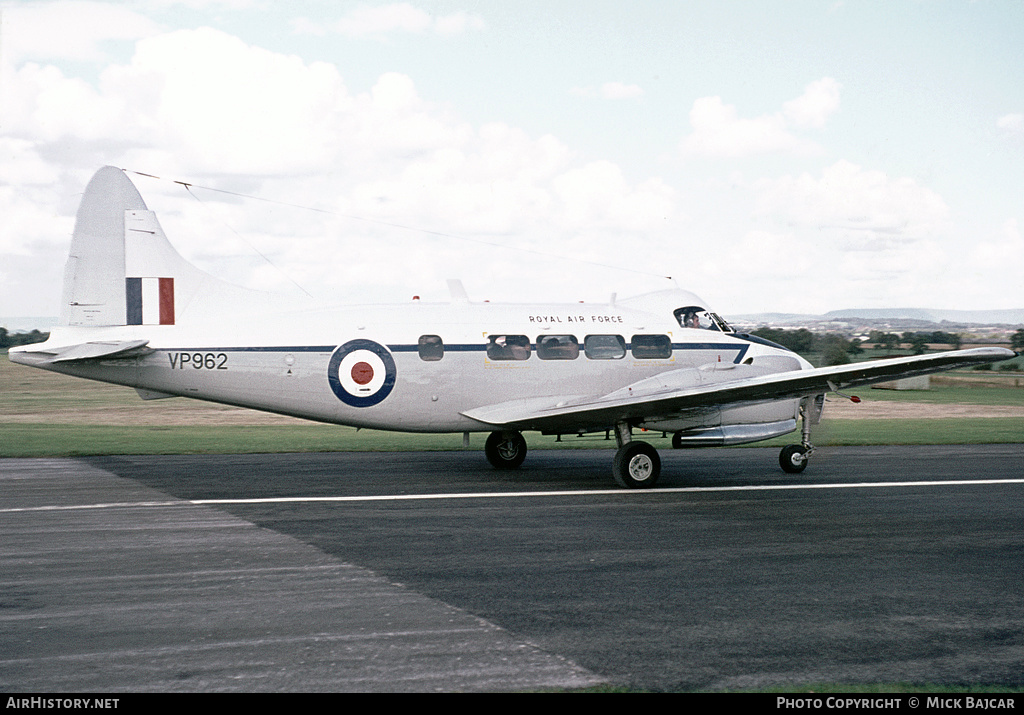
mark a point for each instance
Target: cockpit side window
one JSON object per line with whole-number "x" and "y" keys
{"x": 694, "y": 316}
{"x": 689, "y": 317}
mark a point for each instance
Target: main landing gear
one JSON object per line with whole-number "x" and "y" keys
{"x": 505, "y": 450}
{"x": 636, "y": 464}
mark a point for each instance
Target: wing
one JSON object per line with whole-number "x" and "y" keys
{"x": 718, "y": 384}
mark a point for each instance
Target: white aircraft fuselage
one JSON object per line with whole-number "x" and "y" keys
{"x": 426, "y": 364}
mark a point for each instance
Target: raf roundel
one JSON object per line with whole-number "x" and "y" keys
{"x": 361, "y": 373}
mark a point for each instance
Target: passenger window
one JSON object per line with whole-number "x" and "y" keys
{"x": 508, "y": 347}
{"x": 431, "y": 348}
{"x": 651, "y": 347}
{"x": 604, "y": 347}
{"x": 558, "y": 347}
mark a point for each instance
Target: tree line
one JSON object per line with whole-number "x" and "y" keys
{"x": 10, "y": 340}
{"x": 836, "y": 349}
{"x": 917, "y": 341}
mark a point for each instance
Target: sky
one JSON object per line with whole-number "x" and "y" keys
{"x": 797, "y": 156}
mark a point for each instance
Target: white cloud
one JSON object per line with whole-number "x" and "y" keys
{"x": 718, "y": 130}
{"x": 386, "y": 19}
{"x": 780, "y": 254}
{"x": 222, "y": 105}
{"x": 869, "y": 208}
{"x": 458, "y": 23}
{"x": 1011, "y": 124}
{"x": 597, "y": 195}
{"x": 68, "y": 30}
{"x": 819, "y": 101}
{"x": 21, "y": 165}
{"x": 610, "y": 90}
{"x": 994, "y": 258}
{"x": 204, "y": 106}
{"x": 845, "y": 237}
{"x": 397, "y": 18}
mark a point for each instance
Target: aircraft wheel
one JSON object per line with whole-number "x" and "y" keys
{"x": 505, "y": 450}
{"x": 793, "y": 458}
{"x": 677, "y": 440}
{"x": 636, "y": 466}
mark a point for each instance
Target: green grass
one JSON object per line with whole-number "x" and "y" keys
{"x": 947, "y": 395}
{"x": 992, "y": 430}
{"x": 881, "y": 354}
{"x": 36, "y": 440}
{"x": 54, "y": 415}
{"x": 67, "y": 440}
{"x": 894, "y": 688}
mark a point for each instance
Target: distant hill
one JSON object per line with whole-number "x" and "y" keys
{"x": 26, "y": 325}
{"x": 773, "y": 318}
{"x": 982, "y": 317}
{"x": 910, "y": 318}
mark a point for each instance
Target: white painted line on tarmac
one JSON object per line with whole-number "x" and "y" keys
{"x": 512, "y": 495}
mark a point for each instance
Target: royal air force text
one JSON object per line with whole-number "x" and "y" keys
{"x": 549, "y": 319}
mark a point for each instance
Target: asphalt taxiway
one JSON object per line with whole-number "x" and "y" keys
{"x": 430, "y": 571}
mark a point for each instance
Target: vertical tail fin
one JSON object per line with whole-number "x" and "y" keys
{"x": 94, "y": 277}
{"x": 122, "y": 270}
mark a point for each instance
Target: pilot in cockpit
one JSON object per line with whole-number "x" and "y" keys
{"x": 694, "y": 316}
{"x": 689, "y": 317}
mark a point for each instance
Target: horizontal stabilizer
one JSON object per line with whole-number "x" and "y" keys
{"x": 95, "y": 350}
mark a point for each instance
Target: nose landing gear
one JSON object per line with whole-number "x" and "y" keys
{"x": 794, "y": 457}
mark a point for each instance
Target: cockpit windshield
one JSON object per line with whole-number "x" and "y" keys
{"x": 694, "y": 316}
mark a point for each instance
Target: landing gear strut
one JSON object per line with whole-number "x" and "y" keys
{"x": 794, "y": 457}
{"x": 637, "y": 464}
{"x": 505, "y": 450}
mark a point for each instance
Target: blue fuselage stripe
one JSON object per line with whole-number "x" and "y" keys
{"x": 741, "y": 349}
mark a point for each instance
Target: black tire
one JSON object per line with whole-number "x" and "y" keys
{"x": 505, "y": 450}
{"x": 636, "y": 466}
{"x": 793, "y": 459}
{"x": 677, "y": 440}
